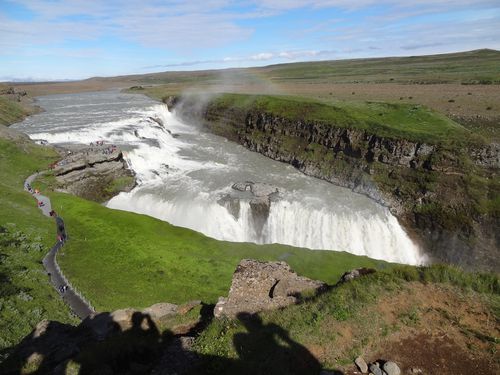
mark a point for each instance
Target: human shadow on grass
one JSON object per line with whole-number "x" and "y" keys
{"x": 264, "y": 349}
{"x": 268, "y": 348}
{"x": 99, "y": 345}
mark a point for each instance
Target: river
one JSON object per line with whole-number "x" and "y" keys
{"x": 184, "y": 171}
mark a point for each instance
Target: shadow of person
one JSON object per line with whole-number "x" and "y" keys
{"x": 133, "y": 350}
{"x": 268, "y": 349}
{"x": 101, "y": 344}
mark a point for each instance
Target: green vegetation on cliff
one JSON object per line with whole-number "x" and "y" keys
{"x": 392, "y": 120}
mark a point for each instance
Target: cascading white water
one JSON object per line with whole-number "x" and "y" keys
{"x": 183, "y": 172}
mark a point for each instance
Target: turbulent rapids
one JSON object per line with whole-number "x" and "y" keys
{"x": 185, "y": 176}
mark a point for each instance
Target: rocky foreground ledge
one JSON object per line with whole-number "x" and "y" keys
{"x": 96, "y": 173}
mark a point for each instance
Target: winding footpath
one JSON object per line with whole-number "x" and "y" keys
{"x": 73, "y": 299}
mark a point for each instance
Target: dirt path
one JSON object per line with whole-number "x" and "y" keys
{"x": 73, "y": 299}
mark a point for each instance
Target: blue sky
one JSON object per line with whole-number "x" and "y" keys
{"x": 73, "y": 39}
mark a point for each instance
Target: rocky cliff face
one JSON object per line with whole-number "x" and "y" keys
{"x": 428, "y": 186}
{"x": 95, "y": 173}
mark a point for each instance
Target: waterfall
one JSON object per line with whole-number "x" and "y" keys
{"x": 183, "y": 172}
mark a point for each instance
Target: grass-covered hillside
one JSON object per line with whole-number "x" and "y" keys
{"x": 26, "y": 296}
{"x": 473, "y": 67}
{"x": 11, "y": 111}
{"x": 480, "y": 66}
{"x": 394, "y": 120}
{"x": 15, "y": 105}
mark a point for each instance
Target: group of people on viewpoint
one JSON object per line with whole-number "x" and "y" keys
{"x": 106, "y": 151}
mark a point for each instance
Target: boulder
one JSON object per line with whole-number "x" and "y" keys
{"x": 375, "y": 369}
{"x": 159, "y": 310}
{"x": 123, "y": 318}
{"x": 391, "y": 368}
{"x": 362, "y": 366}
{"x": 91, "y": 172}
{"x": 242, "y": 186}
{"x": 356, "y": 273}
{"x": 258, "y": 286}
{"x": 232, "y": 204}
{"x": 260, "y": 203}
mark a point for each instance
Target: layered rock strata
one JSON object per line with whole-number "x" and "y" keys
{"x": 95, "y": 173}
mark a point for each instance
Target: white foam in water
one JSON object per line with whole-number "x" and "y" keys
{"x": 181, "y": 179}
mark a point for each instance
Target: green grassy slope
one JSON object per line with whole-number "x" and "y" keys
{"x": 26, "y": 297}
{"x": 412, "y": 122}
{"x": 120, "y": 259}
{"x": 10, "y": 111}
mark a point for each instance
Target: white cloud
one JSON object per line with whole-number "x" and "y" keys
{"x": 171, "y": 24}
{"x": 194, "y": 33}
{"x": 264, "y": 57}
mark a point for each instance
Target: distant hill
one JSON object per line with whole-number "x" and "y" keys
{"x": 472, "y": 67}
{"x": 478, "y": 66}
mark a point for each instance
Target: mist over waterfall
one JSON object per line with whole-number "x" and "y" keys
{"x": 186, "y": 177}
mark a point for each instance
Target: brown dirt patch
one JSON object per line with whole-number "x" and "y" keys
{"x": 438, "y": 329}
{"x": 437, "y": 356}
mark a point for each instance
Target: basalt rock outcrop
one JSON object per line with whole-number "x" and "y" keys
{"x": 435, "y": 190}
{"x": 260, "y": 196}
{"x": 96, "y": 173}
{"x": 258, "y": 286}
